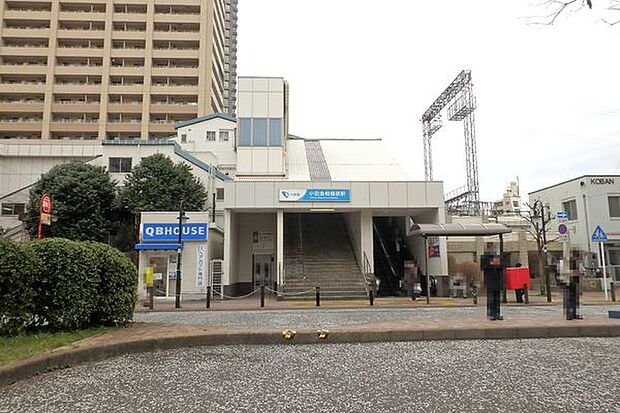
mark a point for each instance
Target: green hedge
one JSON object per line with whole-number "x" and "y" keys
{"x": 66, "y": 289}
{"x": 59, "y": 285}
{"x": 118, "y": 278}
{"x": 18, "y": 267}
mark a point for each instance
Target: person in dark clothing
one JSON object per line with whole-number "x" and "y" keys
{"x": 494, "y": 281}
{"x": 519, "y": 292}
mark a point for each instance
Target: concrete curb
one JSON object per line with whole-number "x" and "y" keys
{"x": 68, "y": 357}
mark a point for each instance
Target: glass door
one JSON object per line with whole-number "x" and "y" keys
{"x": 262, "y": 270}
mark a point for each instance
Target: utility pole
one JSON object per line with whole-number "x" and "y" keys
{"x": 182, "y": 217}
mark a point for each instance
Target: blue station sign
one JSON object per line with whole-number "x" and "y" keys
{"x": 158, "y": 232}
{"x": 315, "y": 195}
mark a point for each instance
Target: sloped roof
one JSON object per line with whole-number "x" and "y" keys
{"x": 347, "y": 160}
{"x": 204, "y": 119}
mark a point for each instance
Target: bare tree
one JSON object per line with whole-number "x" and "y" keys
{"x": 553, "y": 9}
{"x": 540, "y": 233}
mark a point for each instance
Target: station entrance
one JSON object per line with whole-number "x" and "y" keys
{"x": 320, "y": 250}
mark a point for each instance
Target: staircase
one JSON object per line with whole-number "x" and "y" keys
{"x": 318, "y": 252}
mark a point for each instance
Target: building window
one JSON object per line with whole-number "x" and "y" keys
{"x": 219, "y": 194}
{"x": 224, "y": 135}
{"x": 275, "y": 132}
{"x": 211, "y": 135}
{"x": 122, "y": 165}
{"x": 259, "y": 136}
{"x": 614, "y": 206}
{"x": 260, "y": 132}
{"x": 245, "y": 132}
{"x": 183, "y": 138}
{"x": 13, "y": 208}
{"x": 570, "y": 207}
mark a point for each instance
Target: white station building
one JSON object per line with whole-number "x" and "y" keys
{"x": 293, "y": 213}
{"x": 587, "y": 202}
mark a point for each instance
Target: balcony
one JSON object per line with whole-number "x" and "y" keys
{"x": 125, "y": 107}
{"x": 75, "y": 107}
{"x": 77, "y": 87}
{"x": 78, "y": 70}
{"x": 20, "y": 124}
{"x": 27, "y": 14}
{"x": 175, "y": 71}
{"x": 162, "y": 127}
{"x": 124, "y": 127}
{"x": 127, "y": 70}
{"x": 82, "y": 34}
{"x": 26, "y": 32}
{"x": 182, "y": 108}
{"x": 13, "y": 69}
{"x": 176, "y": 36}
{"x": 68, "y": 126}
{"x": 78, "y": 52}
{"x": 21, "y": 106}
{"x": 175, "y": 53}
{"x": 176, "y": 18}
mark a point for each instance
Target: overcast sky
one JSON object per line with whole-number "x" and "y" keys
{"x": 548, "y": 96}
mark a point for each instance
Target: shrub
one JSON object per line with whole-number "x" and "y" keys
{"x": 118, "y": 278}
{"x": 18, "y": 267}
{"x": 67, "y": 287}
{"x": 471, "y": 272}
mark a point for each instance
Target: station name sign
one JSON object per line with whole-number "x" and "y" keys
{"x": 602, "y": 181}
{"x": 170, "y": 232}
{"x": 315, "y": 195}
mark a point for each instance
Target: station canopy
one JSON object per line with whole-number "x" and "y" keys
{"x": 457, "y": 229}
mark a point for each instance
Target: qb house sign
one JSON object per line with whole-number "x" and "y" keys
{"x": 315, "y": 195}
{"x": 170, "y": 232}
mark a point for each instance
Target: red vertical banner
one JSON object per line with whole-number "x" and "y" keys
{"x": 45, "y": 216}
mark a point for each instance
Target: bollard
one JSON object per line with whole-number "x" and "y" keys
{"x": 151, "y": 294}
{"x": 526, "y": 294}
{"x": 613, "y": 291}
{"x": 262, "y": 296}
{"x": 504, "y": 296}
{"x": 209, "y": 297}
{"x": 474, "y": 294}
{"x": 371, "y": 296}
{"x": 318, "y": 296}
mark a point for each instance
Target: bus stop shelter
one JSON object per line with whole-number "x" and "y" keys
{"x": 456, "y": 230}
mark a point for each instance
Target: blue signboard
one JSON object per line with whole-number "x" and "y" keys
{"x": 157, "y": 232}
{"x": 315, "y": 195}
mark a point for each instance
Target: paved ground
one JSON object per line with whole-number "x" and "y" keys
{"x": 253, "y": 303}
{"x": 327, "y": 317}
{"x": 554, "y": 375}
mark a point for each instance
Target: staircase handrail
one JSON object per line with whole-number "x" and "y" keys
{"x": 368, "y": 274}
{"x": 301, "y": 247}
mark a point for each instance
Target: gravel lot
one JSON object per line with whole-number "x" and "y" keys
{"x": 326, "y": 317}
{"x": 555, "y": 375}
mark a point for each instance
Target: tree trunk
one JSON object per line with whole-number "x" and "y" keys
{"x": 541, "y": 271}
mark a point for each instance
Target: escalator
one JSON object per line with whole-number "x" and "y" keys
{"x": 390, "y": 253}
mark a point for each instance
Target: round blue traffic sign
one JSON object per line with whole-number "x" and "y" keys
{"x": 562, "y": 229}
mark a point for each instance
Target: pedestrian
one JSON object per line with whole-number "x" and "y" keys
{"x": 519, "y": 292}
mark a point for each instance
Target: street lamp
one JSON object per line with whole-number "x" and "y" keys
{"x": 544, "y": 241}
{"x": 182, "y": 217}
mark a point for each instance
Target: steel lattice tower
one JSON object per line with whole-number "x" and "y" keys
{"x": 460, "y": 101}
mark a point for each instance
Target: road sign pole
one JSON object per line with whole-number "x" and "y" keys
{"x": 602, "y": 244}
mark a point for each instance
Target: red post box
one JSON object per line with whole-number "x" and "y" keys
{"x": 516, "y": 277}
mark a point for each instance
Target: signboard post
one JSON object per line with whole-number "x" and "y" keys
{"x": 45, "y": 217}
{"x": 600, "y": 236}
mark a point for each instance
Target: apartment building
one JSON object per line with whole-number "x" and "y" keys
{"x": 88, "y": 70}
